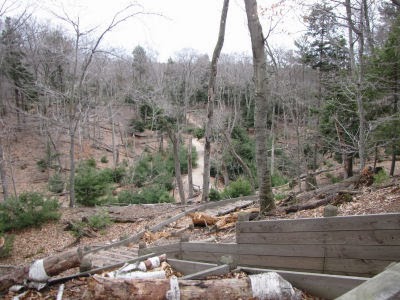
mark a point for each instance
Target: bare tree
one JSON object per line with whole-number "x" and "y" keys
{"x": 211, "y": 98}
{"x": 77, "y": 106}
{"x": 261, "y": 106}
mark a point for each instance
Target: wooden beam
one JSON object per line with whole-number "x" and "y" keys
{"x": 383, "y": 286}
{"x": 319, "y": 285}
{"x": 188, "y": 266}
{"x": 346, "y": 237}
{"x": 364, "y": 222}
{"x": 218, "y": 270}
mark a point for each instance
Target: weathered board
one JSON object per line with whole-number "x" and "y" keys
{"x": 383, "y": 286}
{"x": 362, "y": 222}
{"x": 346, "y": 237}
{"x": 319, "y": 285}
{"x": 352, "y": 245}
{"x": 189, "y": 267}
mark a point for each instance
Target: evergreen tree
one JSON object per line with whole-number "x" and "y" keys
{"x": 15, "y": 68}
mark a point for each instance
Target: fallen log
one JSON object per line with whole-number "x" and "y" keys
{"x": 42, "y": 269}
{"x": 260, "y": 286}
{"x": 335, "y": 199}
{"x": 323, "y": 191}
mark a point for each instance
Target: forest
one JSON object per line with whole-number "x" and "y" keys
{"x": 83, "y": 125}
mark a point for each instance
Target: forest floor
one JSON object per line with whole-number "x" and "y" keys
{"x": 27, "y": 147}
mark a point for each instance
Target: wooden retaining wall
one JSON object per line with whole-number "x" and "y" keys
{"x": 351, "y": 245}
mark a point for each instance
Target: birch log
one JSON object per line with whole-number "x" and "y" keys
{"x": 41, "y": 270}
{"x": 261, "y": 286}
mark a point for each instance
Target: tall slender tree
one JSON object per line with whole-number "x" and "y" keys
{"x": 261, "y": 107}
{"x": 211, "y": 99}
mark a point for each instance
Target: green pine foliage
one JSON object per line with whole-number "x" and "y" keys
{"x": 239, "y": 188}
{"x": 92, "y": 185}
{"x": 27, "y": 210}
{"x": 56, "y": 183}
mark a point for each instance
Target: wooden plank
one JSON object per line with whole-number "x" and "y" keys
{"x": 367, "y": 267}
{"x": 311, "y": 264}
{"x": 391, "y": 253}
{"x": 218, "y": 270}
{"x": 117, "y": 254}
{"x": 369, "y": 237}
{"x": 364, "y": 222}
{"x": 210, "y": 247}
{"x": 168, "y": 249}
{"x": 319, "y": 285}
{"x": 188, "y": 266}
{"x": 210, "y": 257}
{"x": 383, "y": 286}
{"x": 282, "y": 250}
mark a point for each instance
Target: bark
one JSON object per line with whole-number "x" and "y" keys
{"x": 261, "y": 107}
{"x": 393, "y": 163}
{"x": 3, "y": 173}
{"x": 52, "y": 265}
{"x": 190, "y": 177}
{"x": 111, "y": 119}
{"x": 211, "y": 99}
{"x": 217, "y": 289}
{"x": 72, "y": 168}
{"x": 177, "y": 165}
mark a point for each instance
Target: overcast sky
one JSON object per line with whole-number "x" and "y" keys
{"x": 184, "y": 24}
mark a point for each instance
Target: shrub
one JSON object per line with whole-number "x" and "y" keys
{"x": 380, "y": 177}
{"x": 214, "y": 195}
{"x": 115, "y": 175}
{"x": 104, "y": 159}
{"x": 42, "y": 165}
{"x": 90, "y": 184}
{"x": 136, "y": 126}
{"x": 28, "y": 209}
{"x": 278, "y": 179}
{"x": 56, "y": 183}
{"x": 333, "y": 178}
{"x": 147, "y": 195}
{"x": 198, "y": 133}
{"x": 238, "y": 188}
{"x": 100, "y": 220}
{"x": 7, "y": 248}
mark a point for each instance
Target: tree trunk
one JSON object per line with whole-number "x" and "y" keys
{"x": 260, "y": 286}
{"x": 210, "y": 105}
{"x": 41, "y": 270}
{"x": 72, "y": 168}
{"x": 261, "y": 107}
{"x": 177, "y": 165}
{"x": 190, "y": 177}
{"x": 111, "y": 119}
{"x": 393, "y": 164}
{"x": 3, "y": 173}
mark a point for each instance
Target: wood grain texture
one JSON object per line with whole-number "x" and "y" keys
{"x": 364, "y": 222}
